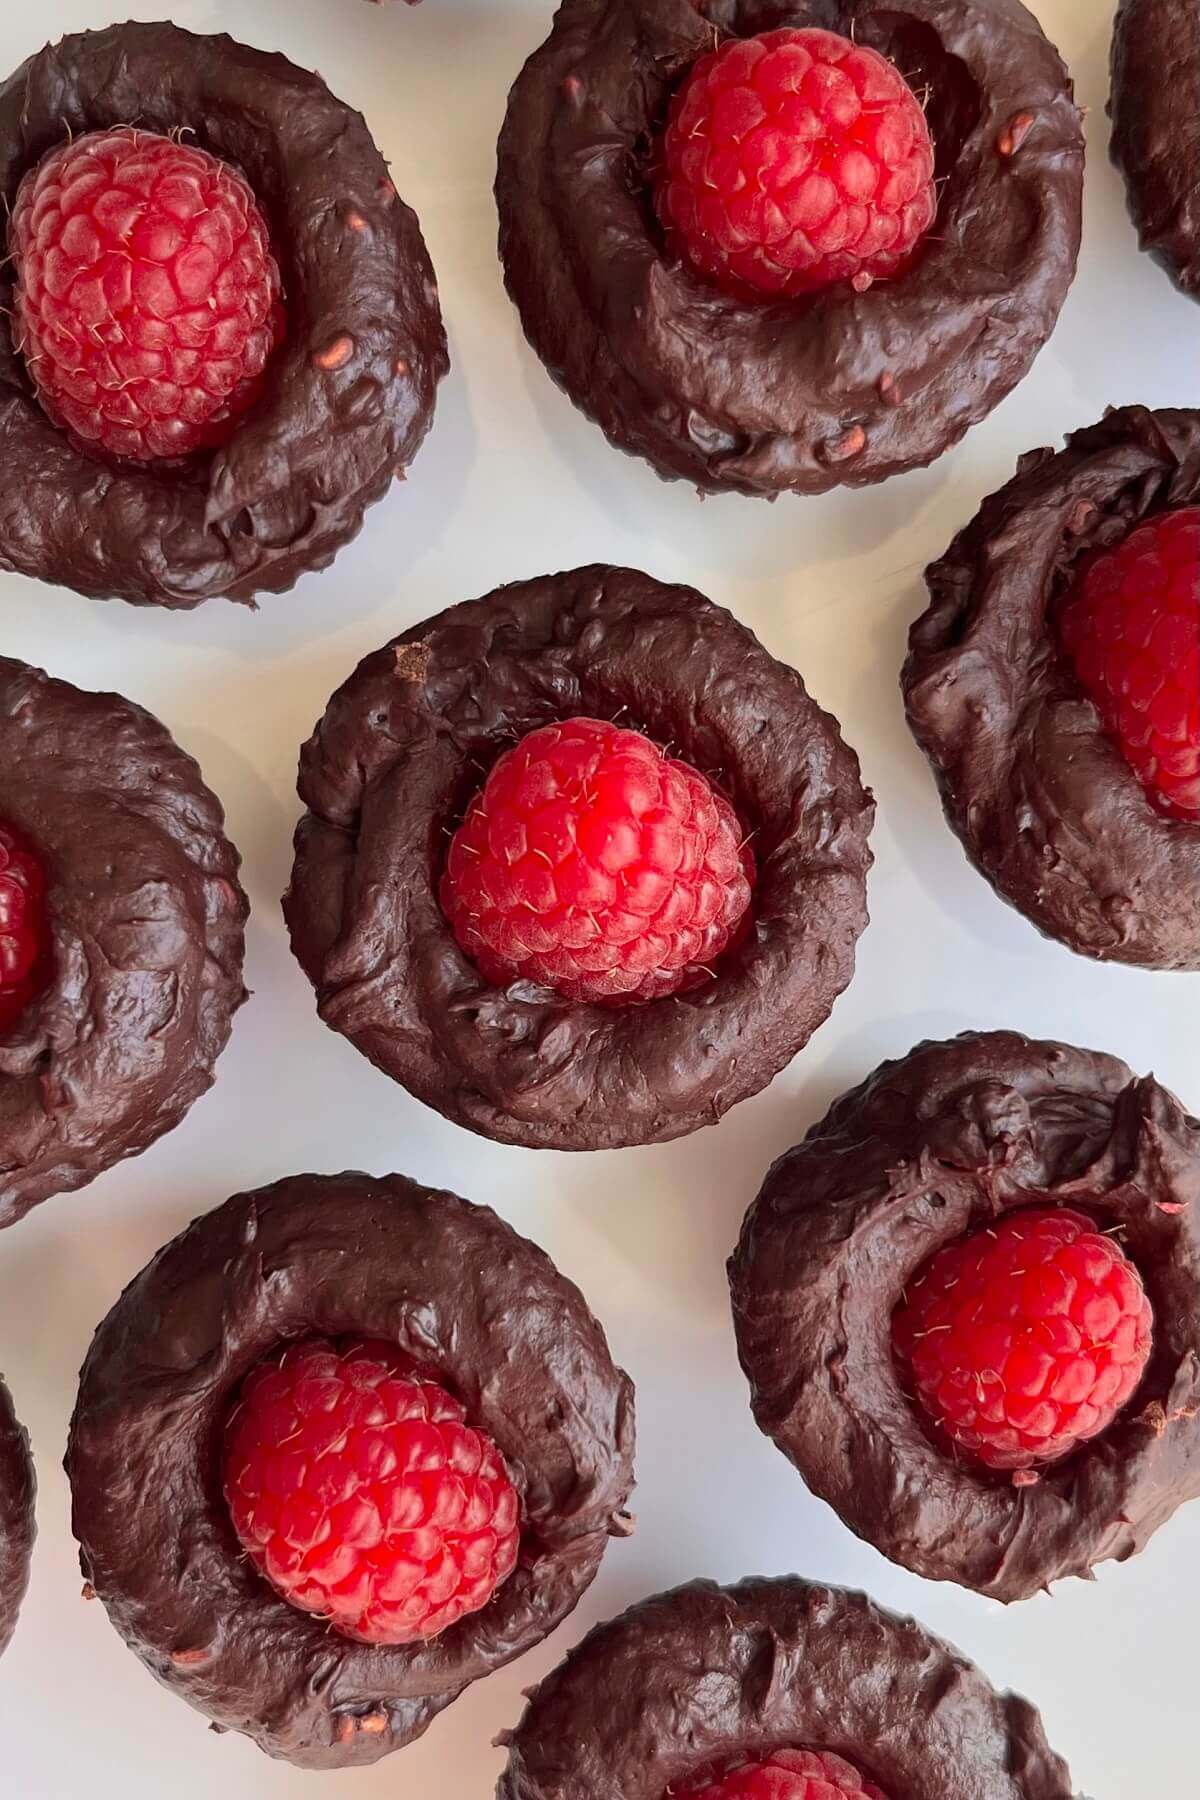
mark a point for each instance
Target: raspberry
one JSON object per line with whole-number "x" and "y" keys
{"x": 792, "y": 160}
{"x": 594, "y": 864}
{"x": 24, "y": 927}
{"x": 784, "y": 1775}
{"x": 360, "y": 1493}
{"x": 147, "y": 300}
{"x": 1131, "y": 627}
{"x": 1024, "y": 1339}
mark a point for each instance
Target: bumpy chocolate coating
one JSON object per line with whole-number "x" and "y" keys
{"x": 457, "y": 1289}
{"x": 147, "y": 919}
{"x": 926, "y": 1150}
{"x": 1155, "y": 108}
{"x": 725, "y": 1672}
{"x": 404, "y": 745}
{"x": 803, "y": 395}
{"x": 17, "y": 1528}
{"x": 350, "y": 395}
{"x": 1044, "y": 802}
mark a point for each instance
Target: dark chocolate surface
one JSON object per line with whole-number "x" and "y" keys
{"x": 350, "y": 395}
{"x": 407, "y": 741}
{"x": 468, "y": 1298}
{"x": 924, "y": 1151}
{"x": 17, "y": 1528}
{"x": 765, "y": 1665}
{"x": 802, "y": 395}
{"x": 1045, "y": 804}
{"x": 147, "y": 918}
{"x": 1155, "y": 108}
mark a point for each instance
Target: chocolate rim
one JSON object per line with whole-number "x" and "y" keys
{"x": 1155, "y": 110}
{"x": 767, "y": 1664}
{"x": 402, "y": 747}
{"x": 1045, "y": 805}
{"x": 843, "y": 388}
{"x": 457, "y": 1288}
{"x": 18, "y": 1488}
{"x": 929, "y": 1147}
{"x": 147, "y": 919}
{"x": 349, "y": 397}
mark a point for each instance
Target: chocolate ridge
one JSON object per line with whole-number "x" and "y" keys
{"x": 18, "y": 1488}
{"x": 1043, "y": 801}
{"x": 460, "y": 1291}
{"x": 348, "y": 397}
{"x": 408, "y": 739}
{"x": 147, "y": 919}
{"x": 802, "y": 395}
{"x": 925, "y": 1150}
{"x": 722, "y": 1672}
{"x": 1155, "y": 110}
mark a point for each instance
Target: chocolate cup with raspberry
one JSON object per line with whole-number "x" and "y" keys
{"x": 1155, "y": 110}
{"x": 803, "y": 395}
{"x": 472, "y": 1302}
{"x": 1045, "y": 804}
{"x": 17, "y": 1527}
{"x": 349, "y": 396}
{"x": 146, "y": 923}
{"x": 722, "y": 1673}
{"x": 395, "y": 760}
{"x": 928, "y": 1148}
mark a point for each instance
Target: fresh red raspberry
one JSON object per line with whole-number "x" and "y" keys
{"x": 1131, "y": 627}
{"x": 784, "y": 1775}
{"x": 596, "y": 865}
{"x": 359, "y": 1491}
{"x": 147, "y": 298}
{"x": 792, "y": 160}
{"x": 1025, "y": 1338}
{"x": 24, "y": 927}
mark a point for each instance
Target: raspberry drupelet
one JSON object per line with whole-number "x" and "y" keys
{"x": 1131, "y": 628}
{"x": 793, "y": 160}
{"x": 24, "y": 927}
{"x": 1025, "y": 1338}
{"x": 784, "y": 1775}
{"x": 148, "y": 302}
{"x": 594, "y": 864}
{"x": 359, "y": 1491}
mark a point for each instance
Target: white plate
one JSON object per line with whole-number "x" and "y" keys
{"x": 514, "y": 482}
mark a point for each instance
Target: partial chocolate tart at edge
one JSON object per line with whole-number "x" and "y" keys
{"x": 1043, "y": 801}
{"x": 723, "y": 1672}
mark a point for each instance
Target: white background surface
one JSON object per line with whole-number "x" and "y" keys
{"x": 511, "y": 483}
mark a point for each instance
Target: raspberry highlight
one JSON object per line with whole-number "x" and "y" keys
{"x": 793, "y": 160}
{"x": 361, "y": 1494}
{"x": 24, "y": 927}
{"x": 147, "y": 298}
{"x": 784, "y": 1775}
{"x": 1131, "y": 628}
{"x": 594, "y": 864}
{"x": 1024, "y": 1339}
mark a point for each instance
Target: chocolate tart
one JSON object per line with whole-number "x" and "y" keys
{"x": 405, "y": 744}
{"x": 147, "y": 920}
{"x": 349, "y": 396}
{"x": 17, "y": 1528}
{"x": 839, "y": 388}
{"x": 728, "y": 1673}
{"x": 1155, "y": 110}
{"x": 927, "y": 1149}
{"x": 1045, "y": 804}
{"x": 456, "y": 1288}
